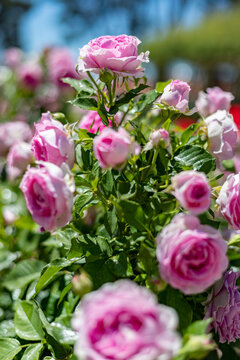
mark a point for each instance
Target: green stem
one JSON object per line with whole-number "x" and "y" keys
{"x": 100, "y": 92}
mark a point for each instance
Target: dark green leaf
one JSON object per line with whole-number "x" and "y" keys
{"x": 187, "y": 133}
{"x": 133, "y": 213}
{"x": 86, "y": 103}
{"x": 195, "y": 157}
{"x": 79, "y": 85}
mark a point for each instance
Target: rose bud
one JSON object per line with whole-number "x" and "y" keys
{"x": 51, "y": 142}
{"x": 157, "y": 138}
{"x": 112, "y": 148}
{"x": 192, "y": 190}
{"x": 30, "y": 75}
{"x": 19, "y": 156}
{"x": 176, "y": 94}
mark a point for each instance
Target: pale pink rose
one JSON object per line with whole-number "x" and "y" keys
{"x": 19, "y": 156}
{"x": 60, "y": 64}
{"x": 224, "y": 308}
{"x": 13, "y": 57}
{"x": 222, "y": 135}
{"x": 51, "y": 142}
{"x": 48, "y": 197}
{"x": 9, "y": 216}
{"x": 159, "y": 137}
{"x": 229, "y": 200}
{"x": 192, "y": 190}
{"x": 215, "y": 99}
{"x": 176, "y": 94}
{"x": 30, "y": 74}
{"x": 123, "y": 321}
{"x": 93, "y": 123}
{"x": 13, "y": 132}
{"x": 116, "y": 53}
{"x": 112, "y": 148}
{"x": 191, "y": 256}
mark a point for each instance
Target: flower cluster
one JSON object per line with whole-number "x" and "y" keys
{"x": 128, "y": 205}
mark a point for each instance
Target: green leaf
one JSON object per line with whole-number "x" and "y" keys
{"x": 9, "y": 348}
{"x": 7, "y": 258}
{"x": 126, "y": 98}
{"x": 27, "y": 322}
{"x": 198, "y": 327}
{"x": 102, "y": 112}
{"x": 187, "y": 133}
{"x": 7, "y": 329}
{"x": 85, "y": 102}
{"x": 52, "y": 269}
{"x": 133, "y": 213}
{"x": 80, "y": 202}
{"x": 63, "y": 334}
{"x": 32, "y": 352}
{"x": 65, "y": 292}
{"x": 195, "y": 157}
{"x": 235, "y": 241}
{"x": 161, "y": 85}
{"x": 79, "y": 85}
{"x": 146, "y": 99}
{"x": 229, "y": 165}
{"x": 23, "y": 273}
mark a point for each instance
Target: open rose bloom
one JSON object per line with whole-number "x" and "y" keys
{"x": 116, "y": 53}
{"x": 19, "y": 156}
{"x": 176, "y": 94}
{"x": 122, "y": 321}
{"x": 191, "y": 256}
{"x": 48, "y": 197}
{"x": 223, "y": 306}
{"x": 215, "y": 99}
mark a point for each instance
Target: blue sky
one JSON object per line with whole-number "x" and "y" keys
{"x": 42, "y": 26}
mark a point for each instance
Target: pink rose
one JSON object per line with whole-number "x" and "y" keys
{"x": 123, "y": 321}
{"x": 93, "y": 123}
{"x": 215, "y": 99}
{"x": 229, "y": 200}
{"x": 13, "y": 57}
{"x": 176, "y": 94}
{"x": 159, "y": 137}
{"x": 51, "y": 142}
{"x": 60, "y": 64}
{"x": 192, "y": 190}
{"x": 112, "y": 148}
{"x": 30, "y": 75}
{"x": 222, "y": 135}
{"x": 19, "y": 156}
{"x": 191, "y": 256}
{"x": 224, "y": 308}
{"x": 48, "y": 197}
{"x": 116, "y": 53}
{"x": 11, "y": 133}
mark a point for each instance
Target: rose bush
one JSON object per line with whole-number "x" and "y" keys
{"x": 115, "y": 243}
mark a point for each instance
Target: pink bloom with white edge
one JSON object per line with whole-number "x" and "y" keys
{"x": 19, "y": 156}
{"x": 51, "y": 142}
{"x": 176, "y": 94}
{"x": 13, "y": 57}
{"x": 191, "y": 256}
{"x": 116, "y": 53}
{"x": 13, "y": 132}
{"x": 48, "y": 197}
{"x": 222, "y": 135}
{"x": 60, "y": 64}
{"x": 112, "y": 148}
{"x": 229, "y": 200}
{"x": 159, "y": 137}
{"x": 123, "y": 321}
{"x": 192, "y": 190}
{"x": 30, "y": 74}
{"x": 93, "y": 122}
{"x": 224, "y": 308}
{"x": 215, "y": 99}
